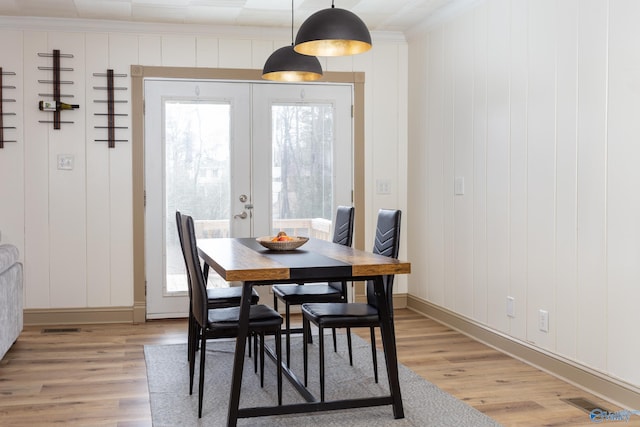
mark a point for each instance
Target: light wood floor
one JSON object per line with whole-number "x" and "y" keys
{"x": 96, "y": 376}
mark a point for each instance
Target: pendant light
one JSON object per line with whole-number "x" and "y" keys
{"x": 287, "y": 65}
{"x": 333, "y": 32}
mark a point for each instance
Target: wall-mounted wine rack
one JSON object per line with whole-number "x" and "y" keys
{"x": 110, "y": 101}
{"x": 4, "y": 113}
{"x": 56, "y": 82}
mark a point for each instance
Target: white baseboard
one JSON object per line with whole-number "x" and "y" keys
{"x": 611, "y": 389}
{"x": 78, "y": 316}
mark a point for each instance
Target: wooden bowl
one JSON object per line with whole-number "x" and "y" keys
{"x": 282, "y": 246}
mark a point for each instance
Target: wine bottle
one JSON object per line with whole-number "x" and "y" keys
{"x": 56, "y": 106}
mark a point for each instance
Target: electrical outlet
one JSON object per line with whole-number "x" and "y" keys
{"x": 543, "y": 320}
{"x": 511, "y": 307}
{"x": 383, "y": 186}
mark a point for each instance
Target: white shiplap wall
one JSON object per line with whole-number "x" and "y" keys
{"x": 535, "y": 104}
{"x": 74, "y": 228}
{"x": 13, "y": 154}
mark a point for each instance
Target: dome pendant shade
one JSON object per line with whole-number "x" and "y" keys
{"x": 287, "y": 65}
{"x": 333, "y": 32}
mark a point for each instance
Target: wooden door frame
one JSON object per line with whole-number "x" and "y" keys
{"x": 140, "y": 72}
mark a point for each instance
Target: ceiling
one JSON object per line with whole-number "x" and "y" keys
{"x": 379, "y": 15}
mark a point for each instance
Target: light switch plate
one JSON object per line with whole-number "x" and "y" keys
{"x": 511, "y": 307}
{"x": 65, "y": 162}
{"x": 543, "y": 320}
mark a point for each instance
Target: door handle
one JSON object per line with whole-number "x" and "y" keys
{"x": 242, "y": 215}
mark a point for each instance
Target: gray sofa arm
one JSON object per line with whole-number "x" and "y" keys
{"x": 11, "y": 294}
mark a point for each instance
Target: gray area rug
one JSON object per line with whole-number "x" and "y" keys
{"x": 171, "y": 405}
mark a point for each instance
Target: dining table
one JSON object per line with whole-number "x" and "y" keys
{"x": 245, "y": 260}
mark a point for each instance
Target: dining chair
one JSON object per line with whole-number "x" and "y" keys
{"x": 216, "y": 297}
{"x": 223, "y": 322}
{"x": 354, "y": 315}
{"x": 298, "y": 294}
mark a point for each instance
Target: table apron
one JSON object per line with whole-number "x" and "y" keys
{"x": 311, "y": 280}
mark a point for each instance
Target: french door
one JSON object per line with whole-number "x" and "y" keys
{"x": 244, "y": 159}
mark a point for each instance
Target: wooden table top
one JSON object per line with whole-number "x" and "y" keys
{"x": 244, "y": 259}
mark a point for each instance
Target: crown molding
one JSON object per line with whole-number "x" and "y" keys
{"x": 106, "y": 26}
{"x": 444, "y": 14}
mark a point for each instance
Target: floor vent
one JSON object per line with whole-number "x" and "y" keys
{"x": 60, "y": 330}
{"x": 584, "y": 404}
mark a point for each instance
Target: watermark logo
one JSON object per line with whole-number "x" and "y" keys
{"x": 601, "y": 416}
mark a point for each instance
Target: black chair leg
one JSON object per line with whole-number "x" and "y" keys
{"x": 321, "y": 344}
{"x": 305, "y": 356}
{"x": 196, "y": 339}
{"x": 307, "y": 325}
{"x": 192, "y": 369}
{"x": 190, "y": 335}
{"x": 374, "y": 355}
{"x": 192, "y": 345}
{"x": 279, "y": 364}
{"x": 349, "y": 346}
{"x": 261, "y": 359}
{"x": 255, "y": 352}
{"x": 335, "y": 347}
{"x": 203, "y": 348}
{"x": 287, "y": 322}
{"x": 309, "y": 336}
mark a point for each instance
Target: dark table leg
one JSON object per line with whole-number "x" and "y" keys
{"x": 389, "y": 344}
{"x": 238, "y": 360}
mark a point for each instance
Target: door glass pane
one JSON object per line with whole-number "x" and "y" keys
{"x": 197, "y": 178}
{"x": 302, "y": 169}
